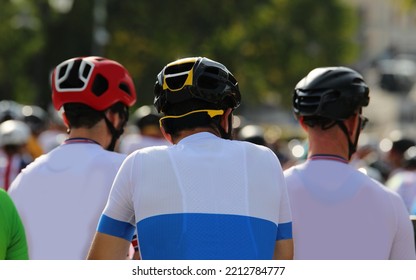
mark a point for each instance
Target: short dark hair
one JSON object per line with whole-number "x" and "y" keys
{"x": 202, "y": 119}
{"x": 81, "y": 115}
{"x": 322, "y": 122}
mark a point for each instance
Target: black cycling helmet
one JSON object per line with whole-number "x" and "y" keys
{"x": 328, "y": 96}
{"x": 334, "y": 93}
{"x": 196, "y": 78}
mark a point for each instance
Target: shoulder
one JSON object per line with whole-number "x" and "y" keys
{"x": 153, "y": 153}
{"x": 294, "y": 170}
{"x": 387, "y": 191}
{"x": 108, "y": 158}
{"x": 258, "y": 154}
{"x": 114, "y": 156}
{"x": 254, "y": 149}
{"x": 380, "y": 191}
{"x": 38, "y": 163}
{"x": 152, "y": 150}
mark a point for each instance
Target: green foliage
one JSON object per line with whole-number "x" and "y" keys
{"x": 269, "y": 45}
{"x": 21, "y": 41}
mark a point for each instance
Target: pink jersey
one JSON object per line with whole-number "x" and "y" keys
{"x": 341, "y": 213}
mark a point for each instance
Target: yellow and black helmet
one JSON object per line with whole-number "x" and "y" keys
{"x": 196, "y": 78}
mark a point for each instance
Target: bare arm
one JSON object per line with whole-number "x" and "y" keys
{"x": 283, "y": 250}
{"x": 107, "y": 247}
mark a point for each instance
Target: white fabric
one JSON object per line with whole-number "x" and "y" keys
{"x": 60, "y": 197}
{"x": 340, "y": 213}
{"x": 202, "y": 174}
{"x": 249, "y": 177}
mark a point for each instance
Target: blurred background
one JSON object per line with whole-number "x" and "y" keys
{"x": 269, "y": 45}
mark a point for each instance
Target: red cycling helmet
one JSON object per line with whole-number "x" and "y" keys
{"x": 94, "y": 81}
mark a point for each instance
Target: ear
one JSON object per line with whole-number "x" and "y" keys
{"x": 224, "y": 119}
{"x": 352, "y": 123}
{"x": 64, "y": 118}
{"x": 113, "y": 117}
{"x": 302, "y": 123}
{"x": 66, "y": 122}
{"x": 166, "y": 135}
{"x": 110, "y": 115}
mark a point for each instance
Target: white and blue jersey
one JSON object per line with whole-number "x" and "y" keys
{"x": 203, "y": 198}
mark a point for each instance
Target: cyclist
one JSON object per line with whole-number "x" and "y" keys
{"x": 216, "y": 199}
{"x": 339, "y": 212}
{"x": 60, "y": 196}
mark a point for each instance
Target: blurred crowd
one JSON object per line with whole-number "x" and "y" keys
{"x": 28, "y": 131}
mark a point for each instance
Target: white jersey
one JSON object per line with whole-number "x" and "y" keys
{"x": 60, "y": 197}
{"x": 340, "y": 213}
{"x": 203, "y": 198}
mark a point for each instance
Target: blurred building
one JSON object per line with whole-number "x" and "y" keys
{"x": 387, "y": 27}
{"x": 387, "y": 39}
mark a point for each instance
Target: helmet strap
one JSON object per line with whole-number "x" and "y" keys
{"x": 224, "y": 134}
{"x": 115, "y": 133}
{"x": 352, "y": 146}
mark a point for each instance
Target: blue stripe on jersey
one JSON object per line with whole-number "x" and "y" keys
{"x": 284, "y": 231}
{"x": 114, "y": 227}
{"x": 206, "y": 236}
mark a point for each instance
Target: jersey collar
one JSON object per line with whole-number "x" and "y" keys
{"x": 328, "y": 157}
{"x": 77, "y": 140}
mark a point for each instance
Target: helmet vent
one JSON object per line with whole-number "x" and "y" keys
{"x": 177, "y": 74}
{"x": 73, "y": 80}
{"x": 100, "y": 85}
{"x": 176, "y": 82}
{"x": 86, "y": 71}
{"x": 309, "y": 105}
{"x": 124, "y": 87}
{"x": 179, "y": 68}
{"x": 212, "y": 77}
{"x": 62, "y": 71}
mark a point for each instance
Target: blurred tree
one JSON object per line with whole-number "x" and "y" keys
{"x": 34, "y": 39}
{"x": 21, "y": 40}
{"x": 408, "y": 4}
{"x": 66, "y": 34}
{"x": 268, "y": 44}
